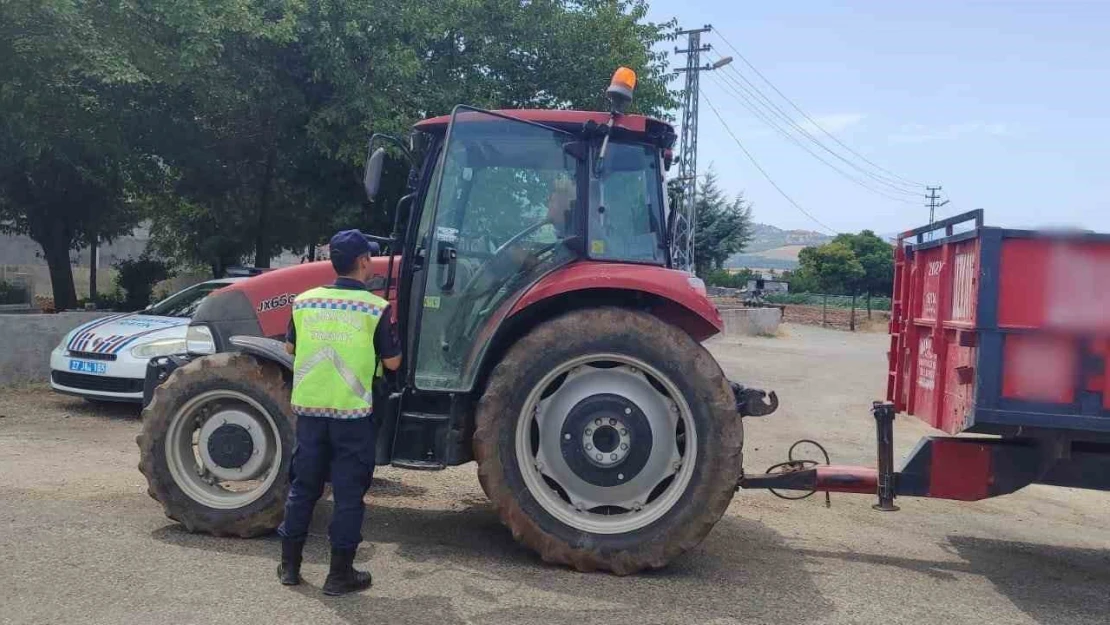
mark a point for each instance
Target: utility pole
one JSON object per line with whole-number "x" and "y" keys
{"x": 685, "y": 214}
{"x": 932, "y": 197}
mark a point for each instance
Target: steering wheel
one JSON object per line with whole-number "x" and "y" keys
{"x": 501, "y": 250}
{"x": 471, "y": 297}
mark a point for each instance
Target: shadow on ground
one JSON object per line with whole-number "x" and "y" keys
{"x": 1050, "y": 584}
{"x": 112, "y": 410}
{"x": 475, "y": 572}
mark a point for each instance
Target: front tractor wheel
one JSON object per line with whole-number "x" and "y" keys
{"x": 608, "y": 439}
{"x": 216, "y": 445}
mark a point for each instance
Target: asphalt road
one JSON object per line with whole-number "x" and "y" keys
{"x": 81, "y": 542}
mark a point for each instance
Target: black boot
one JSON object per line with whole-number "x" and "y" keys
{"x": 289, "y": 571}
{"x": 343, "y": 577}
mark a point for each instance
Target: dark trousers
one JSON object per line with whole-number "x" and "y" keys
{"x": 343, "y": 449}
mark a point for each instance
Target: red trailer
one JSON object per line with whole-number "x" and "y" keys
{"x": 1000, "y": 338}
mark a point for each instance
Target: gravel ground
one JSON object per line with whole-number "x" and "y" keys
{"x": 82, "y": 542}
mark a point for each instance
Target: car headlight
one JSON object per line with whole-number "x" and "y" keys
{"x": 161, "y": 347}
{"x": 198, "y": 340}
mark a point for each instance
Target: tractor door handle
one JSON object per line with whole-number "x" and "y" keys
{"x": 448, "y": 255}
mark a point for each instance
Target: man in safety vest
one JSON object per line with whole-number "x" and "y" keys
{"x": 337, "y": 336}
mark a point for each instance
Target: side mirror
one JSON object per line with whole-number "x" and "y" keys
{"x": 372, "y": 178}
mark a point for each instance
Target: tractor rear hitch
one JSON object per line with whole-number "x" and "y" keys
{"x": 750, "y": 401}
{"x": 810, "y": 477}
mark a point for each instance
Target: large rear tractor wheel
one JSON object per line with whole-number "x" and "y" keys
{"x": 608, "y": 439}
{"x": 216, "y": 445}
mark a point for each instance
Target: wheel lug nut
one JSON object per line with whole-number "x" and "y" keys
{"x": 598, "y": 456}
{"x": 613, "y": 421}
{"x": 624, "y": 446}
{"x": 589, "y": 431}
{"x": 624, "y": 432}
{"x": 566, "y": 436}
{"x": 597, "y": 421}
{"x": 627, "y": 411}
{"x": 612, "y": 456}
{"x": 589, "y": 446}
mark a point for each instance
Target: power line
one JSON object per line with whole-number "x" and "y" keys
{"x": 759, "y": 99}
{"x": 811, "y": 120}
{"x": 752, "y": 107}
{"x": 754, "y": 162}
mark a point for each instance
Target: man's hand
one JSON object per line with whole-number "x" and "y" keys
{"x": 392, "y": 364}
{"x": 290, "y": 348}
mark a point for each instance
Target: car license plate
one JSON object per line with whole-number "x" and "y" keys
{"x": 87, "y": 366}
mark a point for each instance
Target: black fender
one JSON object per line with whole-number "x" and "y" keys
{"x": 267, "y": 349}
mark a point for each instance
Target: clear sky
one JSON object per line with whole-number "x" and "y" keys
{"x": 1005, "y": 104}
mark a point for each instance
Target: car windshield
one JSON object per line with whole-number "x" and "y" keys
{"x": 183, "y": 303}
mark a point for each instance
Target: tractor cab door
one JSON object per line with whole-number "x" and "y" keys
{"x": 499, "y": 214}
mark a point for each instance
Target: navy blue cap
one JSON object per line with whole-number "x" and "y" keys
{"x": 348, "y": 245}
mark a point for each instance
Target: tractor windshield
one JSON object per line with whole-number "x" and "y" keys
{"x": 498, "y": 215}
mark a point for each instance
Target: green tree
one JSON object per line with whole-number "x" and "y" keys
{"x": 729, "y": 279}
{"x": 876, "y": 256}
{"x": 275, "y": 127}
{"x": 833, "y": 267}
{"x": 800, "y": 281}
{"x": 69, "y": 172}
{"x": 723, "y": 226}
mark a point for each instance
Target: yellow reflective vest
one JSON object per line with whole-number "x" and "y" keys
{"x": 334, "y": 363}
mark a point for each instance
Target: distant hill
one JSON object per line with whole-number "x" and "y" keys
{"x": 775, "y": 248}
{"x": 767, "y": 237}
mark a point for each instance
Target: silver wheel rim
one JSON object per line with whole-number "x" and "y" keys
{"x": 626, "y": 506}
{"x": 191, "y": 466}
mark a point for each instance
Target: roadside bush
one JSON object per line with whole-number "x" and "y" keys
{"x": 12, "y": 293}
{"x": 137, "y": 277}
{"x": 723, "y": 278}
{"x": 112, "y": 300}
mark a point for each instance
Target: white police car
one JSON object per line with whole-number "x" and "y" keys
{"x": 105, "y": 359}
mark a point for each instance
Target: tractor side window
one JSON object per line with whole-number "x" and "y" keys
{"x": 625, "y": 217}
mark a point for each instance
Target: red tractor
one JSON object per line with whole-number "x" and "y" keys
{"x": 546, "y": 336}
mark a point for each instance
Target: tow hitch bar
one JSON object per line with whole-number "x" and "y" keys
{"x": 750, "y": 401}
{"x": 810, "y": 477}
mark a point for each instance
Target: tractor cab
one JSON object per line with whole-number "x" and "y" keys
{"x": 504, "y": 199}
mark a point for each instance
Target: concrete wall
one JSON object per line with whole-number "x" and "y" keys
{"x": 27, "y": 340}
{"x": 751, "y": 321}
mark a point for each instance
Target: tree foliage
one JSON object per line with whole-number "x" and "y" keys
{"x": 876, "y": 256}
{"x": 723, "y": 226}
{"x": 729, "y": 279}
{"x": 239, "y": 126}
{"x": 69, "y": 104}
{"x": 849, "y": 264}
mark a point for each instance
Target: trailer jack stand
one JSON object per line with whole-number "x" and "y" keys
{"x": 884, "y": 434}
